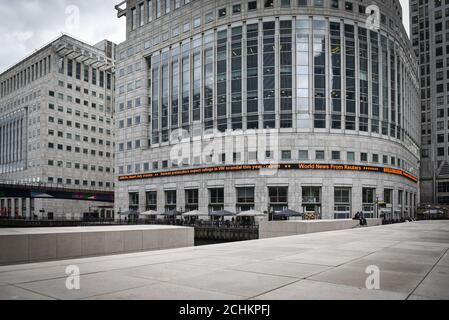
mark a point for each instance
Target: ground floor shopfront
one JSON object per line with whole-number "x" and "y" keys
{"x": 330, "y": 194}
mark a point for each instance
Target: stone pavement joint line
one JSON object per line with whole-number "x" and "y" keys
{"x": 413, "y": 259}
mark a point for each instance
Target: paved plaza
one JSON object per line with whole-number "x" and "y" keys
{"x": 412, "y": 258}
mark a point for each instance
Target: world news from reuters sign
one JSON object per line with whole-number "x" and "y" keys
{"x": 257, "y": 167}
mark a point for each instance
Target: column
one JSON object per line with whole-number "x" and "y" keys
{"x": 1, "y": 143}
{"x": 142, "y": 201}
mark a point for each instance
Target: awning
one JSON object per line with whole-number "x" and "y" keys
{"x": 149, "y": 213}
{"x": 194, "y": 213}
{"x": 288, "y": 213}
{"x": 171, "y": 213}
{"x": 251, "y": 213}
{"x": 221, "y": 213}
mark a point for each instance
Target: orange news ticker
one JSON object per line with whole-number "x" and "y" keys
{"x": 256, "y": 167}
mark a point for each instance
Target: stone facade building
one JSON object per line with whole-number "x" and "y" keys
{"x": 267, "y": 105}
{"x": 56, "y": 126}
{"x": 429, "y": 21}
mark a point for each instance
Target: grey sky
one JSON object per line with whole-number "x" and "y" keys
{"x": 26, "y": 25}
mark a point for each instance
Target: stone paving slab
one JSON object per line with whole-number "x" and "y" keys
{"x": 412, "y": 258}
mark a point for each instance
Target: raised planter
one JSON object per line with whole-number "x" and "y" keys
{"x": 273, "y": 229}
{"x": 43, "y": 244}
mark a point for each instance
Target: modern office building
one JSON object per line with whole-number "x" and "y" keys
{"x": 56, "y": 127}
{"x": 267, "y": 105}
{"x": 429, "y": 21}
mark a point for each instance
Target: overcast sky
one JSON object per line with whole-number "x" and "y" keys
{"x": 26, "y": 25}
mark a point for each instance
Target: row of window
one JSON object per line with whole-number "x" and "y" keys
{"x": 77, "y": 113}
{"x": 85, "y": 102}
{"x": 70, "y": 165}
{"x": 77, "y": 125}
{"x": 26, "y": 76}
{"x": 380, "y": 99}
{"x": 146, "y": 11}
{"x": 278, "y": 199}
{"x": 285, "y": 155}
{"x": 23, "y": 99}
{"x": 89, "y": 74}
{"x": 77, "y": 182}
{"x": 76, "y": 137}
{"x": 129, "y": 104}
{"x": 69, "y": 148}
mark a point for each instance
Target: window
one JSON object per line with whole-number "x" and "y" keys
{"x": 368, "y": 200}
{"x": 222, "y": 12}
{"x": 350, "y": 156}
{"x": 170, "y": 200}
{"x": 335, "y": 155}
{"x": 216, "y": 199}
{"x": 303, "y": 155}
{"x": 364, "y": 157}
{"x": 150, "y": 10}
{"x": 252, "y": 5}
{"x": 286, "y": 155}
{"x": 192, "y": 200}
{"x": 134, "y": 18}
{"x": 197, "y": 22}
{"x": 319, "y": 155}
{"x": 237, "y": 8}
{"x": 269, "y": 4}
{"x": 133, "y": 201}
{"x": 245, "y": 199}
{"x": 278, "y": 198}
{"x": 285, "y": 3}
{"x": 141, "y": 14}
{"x": 342, "y": 203}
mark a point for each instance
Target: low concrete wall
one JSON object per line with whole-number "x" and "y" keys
{"x": 42, "y": 244}
{"x": 273, "y": 229}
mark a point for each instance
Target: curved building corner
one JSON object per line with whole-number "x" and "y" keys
{"x": 266, "y": 105}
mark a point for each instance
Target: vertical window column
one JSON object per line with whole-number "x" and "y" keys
{"x": 186, "y": 86}
{"x": 165, "y": 98}
{"x": 319, "y": 55}
{"x": 209, "y": 81}
{"x": 156, "y": 60}
{"x": 385, "y": 85}
{"x": 374, "y": 40}
{"x": 236, "y": 78}
{"x": 335, "y": 39}
{"x": 196, "y": 103}
{"x": 350, "y": 77}
{"x": 286, "y": 74}
{"x": 2, "y": 145}
{"x": 222, "y": 38}
{"x": 363, "y": 77}
{"x": 303, "y": 70}
{"x": 392, "y": 89}
{"x": 269, "y": 54}
{"x": 399, "y": 91}
{"x": 252, "y": 82}
{"x": 175, "y": 88}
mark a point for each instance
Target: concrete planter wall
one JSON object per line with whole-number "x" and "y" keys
{"x": 273, "y": 229}
{"x": 42, "y": 244}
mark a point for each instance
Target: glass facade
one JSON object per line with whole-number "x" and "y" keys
{"x": 301, "y": 74}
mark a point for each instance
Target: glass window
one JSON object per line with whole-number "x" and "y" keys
{"x": 303, "y": 155}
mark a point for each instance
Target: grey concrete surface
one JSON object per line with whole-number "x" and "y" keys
{"x": 43, "y": 244}
{"x": 412, "y": 258}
